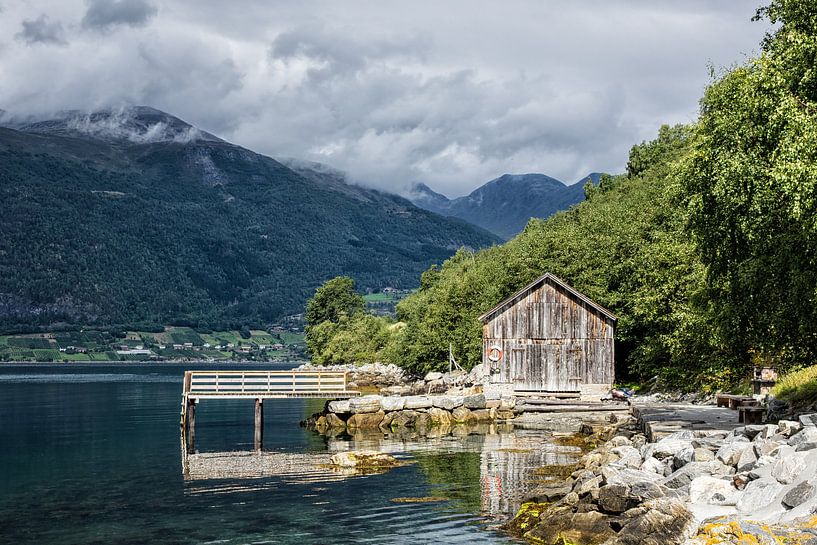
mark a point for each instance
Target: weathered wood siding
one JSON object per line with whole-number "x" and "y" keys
{"x": 551, "y": 340}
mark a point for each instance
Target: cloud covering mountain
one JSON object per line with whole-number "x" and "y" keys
{"x": 392, "y": 93}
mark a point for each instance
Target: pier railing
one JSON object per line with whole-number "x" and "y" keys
{"x": 266, "y": 384}
{"x": 259, "y": 385}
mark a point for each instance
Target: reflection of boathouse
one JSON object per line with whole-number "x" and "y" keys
{"x": 548, "y": 337}
{"x": 508, "y": 465}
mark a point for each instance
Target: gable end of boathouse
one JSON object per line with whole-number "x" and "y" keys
{"x": 549, "y": 337}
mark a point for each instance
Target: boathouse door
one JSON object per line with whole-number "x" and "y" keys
{"x": 546, "y": 367}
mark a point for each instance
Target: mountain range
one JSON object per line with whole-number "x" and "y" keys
{"x": 504, "y": 205}
{"x": 133, "y": 216}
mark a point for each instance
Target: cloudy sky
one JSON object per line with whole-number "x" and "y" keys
{"x": 451, "y": 93}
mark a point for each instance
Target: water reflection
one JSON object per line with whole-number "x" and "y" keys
{"x": 485, "y": 468}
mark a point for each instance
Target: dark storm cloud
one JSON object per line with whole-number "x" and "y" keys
{"x": 449, "y": 93}
{"x": 104, "y": 14}
{"x": 41, "y": 30}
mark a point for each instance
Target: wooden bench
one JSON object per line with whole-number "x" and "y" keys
{"x": 748, "y": 414}
{"x": 722, "y": 400}
{"x": 732, "y": 401}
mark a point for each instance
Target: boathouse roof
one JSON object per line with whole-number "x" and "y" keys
{"x": 547, "y": 277}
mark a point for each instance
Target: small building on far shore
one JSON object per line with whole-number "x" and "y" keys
{"x": 548, "y": 337}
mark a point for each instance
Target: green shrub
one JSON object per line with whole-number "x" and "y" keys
{"x": 797, "y": 386}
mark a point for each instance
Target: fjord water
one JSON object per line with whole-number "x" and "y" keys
{"x": 92, "y": 454}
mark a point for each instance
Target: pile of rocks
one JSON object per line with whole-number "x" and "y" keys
{"x": 632, "y": 491}
{"x": 393, "y": 380}
{"x": 376, "y": 375}
{"x": 421, "y": 412}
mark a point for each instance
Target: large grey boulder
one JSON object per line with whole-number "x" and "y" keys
{"x": 702, "y": 454}
{"x": 747, "y": 460}
{"x": 404, "y": 419}
{"x": 799, "y": 494}
{"x": 766, "y": 448}
{"x": 548, "y": 493}
{"x": 672, "y": 444}
{"x": 432, "y": 376}
{"x": 808, "y": 420}
{"x": 365, "y": 421}
{"x": 439, "y": 417}
{"x": 712, "y": 491}
{"x": 364, "y": 404}
{"x": 620, "y": 441}
{"x": 474, "y": 401}
{"x": 628, "y": 476}
{"x": 768, "y": 431}
{"x": 787, "y": 469}
{"x": 642, "y": 491}
{"x": 712, "y": 443}
{"x": 806, "y": 439}
{"x": 418, "y": 402}
{"x": 339, "y": 406}
{"x": 461, "y": 415}
{"x": 752, "y": 430}
{"x": 629, "y": 457}
{"x": 585, "y": 485}
{"x": 652, "y": 465}
{"x": 789, "y": 427}
{"x": 614, "y": 498}
{"x": 731, "y": 452}
{"x": 393, "y": 403}
{"x": 449, "y": 403}
{"x": 758, "y": 494}
{"x": 685, "y": 475}
{"x": 663, "y": 521}
{"x": 683, "y": 457}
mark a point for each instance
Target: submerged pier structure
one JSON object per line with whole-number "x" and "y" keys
{"x": 257, "y": 385}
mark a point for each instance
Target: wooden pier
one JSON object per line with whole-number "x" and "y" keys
{"x": 258, "y": 385}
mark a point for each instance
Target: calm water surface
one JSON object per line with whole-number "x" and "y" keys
{"x": 91, "y": 454}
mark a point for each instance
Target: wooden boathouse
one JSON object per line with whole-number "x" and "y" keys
{"x": 548, "y": 337}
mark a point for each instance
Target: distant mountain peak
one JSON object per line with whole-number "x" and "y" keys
{"x": 425, "y": 197}
{"x": 531, "y": 177}
{"x": 134, "y": 124}
{"x": 505, "y": 204}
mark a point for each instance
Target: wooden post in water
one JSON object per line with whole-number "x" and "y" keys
{"x": 259, "y": 424}
{"x": 191, "y": 426}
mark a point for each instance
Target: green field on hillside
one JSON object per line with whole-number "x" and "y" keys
{"x": 79, "y": 346}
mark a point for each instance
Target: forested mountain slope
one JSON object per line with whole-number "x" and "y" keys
{"x": 135, "y": 217}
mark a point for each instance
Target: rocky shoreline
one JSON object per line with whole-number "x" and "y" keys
{"x": 754, "y": 484}
{"x": 690, "y": 486}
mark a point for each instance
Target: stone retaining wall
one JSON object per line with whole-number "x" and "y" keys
{"x": 419, "y": 412}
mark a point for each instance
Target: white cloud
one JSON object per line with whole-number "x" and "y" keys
{"x": 451, "y": 94}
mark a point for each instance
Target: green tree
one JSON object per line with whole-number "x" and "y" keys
{"x": 751, "y": 188}
{"x": 334, "y": 300}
